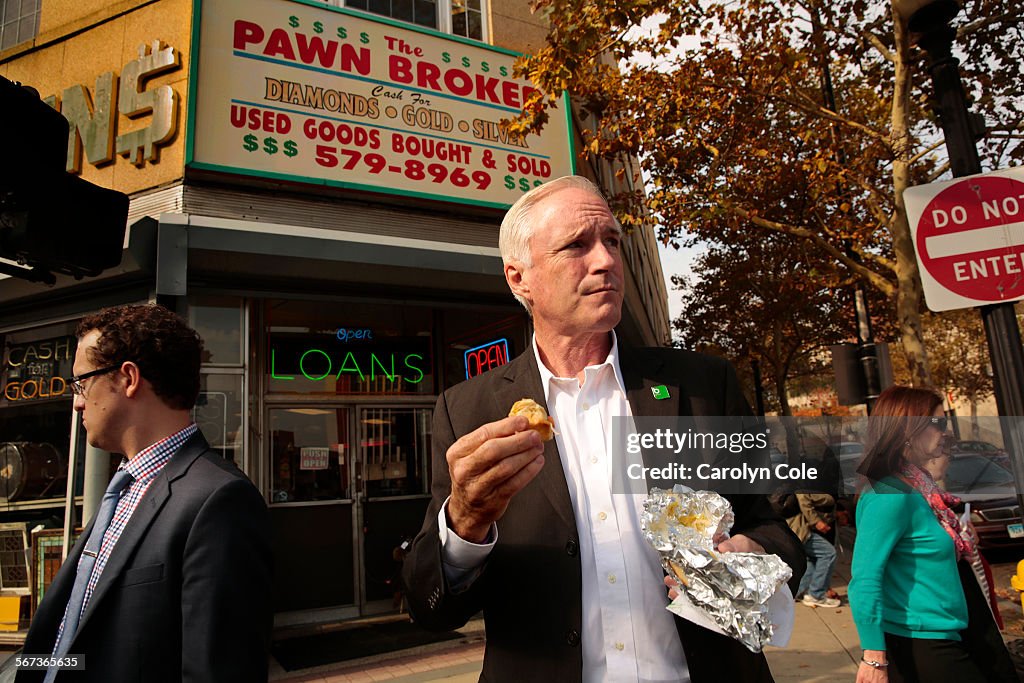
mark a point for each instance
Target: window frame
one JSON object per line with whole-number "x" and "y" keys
{"x": 444, "y": 18}
{"x": 15, "y": 24}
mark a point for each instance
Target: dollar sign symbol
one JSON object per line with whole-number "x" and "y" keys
{"x": 445, "y": 57}
{"x": 318, "y": 27}
{"x": 250, "y": 143}
{"x": 270, "y": 145}
{"x": 510, "y": 183}
{"x": 290, "y": 148}
{"x": 293, "y": 21}
{"x": 364, "y": 37}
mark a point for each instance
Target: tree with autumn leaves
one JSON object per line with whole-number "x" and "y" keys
{"x": 753, "y": 300}
{"x": 722, "y": 104}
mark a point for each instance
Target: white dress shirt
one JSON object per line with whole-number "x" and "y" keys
{"x": 627, "y": 633}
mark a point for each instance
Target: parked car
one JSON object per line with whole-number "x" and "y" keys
{"x": 983, "y": 448}
{"x": 980, "y": 480}
{"x": 989, "y": 488}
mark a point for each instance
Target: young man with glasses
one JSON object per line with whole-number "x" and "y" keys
{"x": 171, "y": 580}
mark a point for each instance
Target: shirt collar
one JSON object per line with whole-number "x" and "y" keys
{"x": 546, "y": 376}
{"x": 151, "y": 460}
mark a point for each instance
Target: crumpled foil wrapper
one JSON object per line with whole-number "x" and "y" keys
{"x": 732, "y": 589}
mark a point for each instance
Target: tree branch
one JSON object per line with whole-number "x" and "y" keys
{"x": 877, "y": 43}
{"x": 938, "y": 172}
{"x": 931, "y": 148}
{"x": 978, "y": 24}
{"x": 812, "y": 108}
{"x": 876, "y": 280}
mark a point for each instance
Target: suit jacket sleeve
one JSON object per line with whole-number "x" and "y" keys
{"x": 226, "y": 588}
{"x": 755, "y": 517}
{"x": 431, "y": 602}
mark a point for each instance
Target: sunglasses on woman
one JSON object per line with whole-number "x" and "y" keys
{"x": 940, "y": 423}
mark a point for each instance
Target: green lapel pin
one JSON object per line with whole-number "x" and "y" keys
{"x": 660, "y": 392}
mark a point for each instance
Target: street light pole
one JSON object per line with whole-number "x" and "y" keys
{"x": 930, "y": 19}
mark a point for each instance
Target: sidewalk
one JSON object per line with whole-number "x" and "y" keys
{"x": 824, "y": 648}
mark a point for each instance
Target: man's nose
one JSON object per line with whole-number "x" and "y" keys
{"x": 78, "y": 403}
{"x": 603, "y": 258}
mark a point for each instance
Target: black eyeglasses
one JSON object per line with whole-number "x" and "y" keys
{"x": 77, "y": 388}
{"x": 940, "y": 423}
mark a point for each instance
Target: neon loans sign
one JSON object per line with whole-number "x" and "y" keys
{"x": 383, "y": 364}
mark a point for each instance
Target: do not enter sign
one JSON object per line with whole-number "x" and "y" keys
{"x": 969, "y": 238}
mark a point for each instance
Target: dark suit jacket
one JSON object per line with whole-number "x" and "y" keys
{"x": 530, "y": 589}
{"x": 185, "y": 595}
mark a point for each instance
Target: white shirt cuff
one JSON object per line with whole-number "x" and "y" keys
{"x": 462, "y": 560}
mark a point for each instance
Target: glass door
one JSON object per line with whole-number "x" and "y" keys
{"x": 312, "y": 510}
{"x": 393, "y": 466}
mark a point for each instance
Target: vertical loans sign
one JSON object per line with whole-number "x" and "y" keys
{"x": 330, "y": 96}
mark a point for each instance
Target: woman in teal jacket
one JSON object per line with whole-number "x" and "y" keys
{"x": 919, "y": 610}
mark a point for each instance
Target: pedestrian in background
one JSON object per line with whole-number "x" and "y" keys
{"x": 813, "y": 524}
{"x": 916, "y": 601}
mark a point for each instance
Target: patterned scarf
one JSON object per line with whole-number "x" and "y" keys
{"x": 942, "y": 503}
{"x": 965, "y": 538}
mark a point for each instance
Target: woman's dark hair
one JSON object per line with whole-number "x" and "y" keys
{"x": 899, "y": 415}
{"x": 167, "y": 351}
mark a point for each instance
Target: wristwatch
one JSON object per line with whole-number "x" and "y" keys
{"x": 873, "y": 664}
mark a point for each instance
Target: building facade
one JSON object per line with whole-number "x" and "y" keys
{"x": 317, "y": 188}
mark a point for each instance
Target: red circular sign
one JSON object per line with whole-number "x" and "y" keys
{"x": 970, "y": 238}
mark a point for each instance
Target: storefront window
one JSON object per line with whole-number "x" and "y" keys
{"x": 35, "y": 413}
{"x": 218, "y": 320}
{"x": 218, "y": 413}
{"x": 310, "y": 448}
{"x": 476, "y": 341}
{"x": 344, "y": 349}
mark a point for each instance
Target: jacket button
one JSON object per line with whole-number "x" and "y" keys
{"x": 571, "y": 548}
{"x": 573, "y": 638}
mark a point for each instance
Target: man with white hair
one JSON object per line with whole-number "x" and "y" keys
{"x": 531, "y": 533}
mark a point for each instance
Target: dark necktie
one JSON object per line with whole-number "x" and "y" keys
{"x": 73, "y": 612}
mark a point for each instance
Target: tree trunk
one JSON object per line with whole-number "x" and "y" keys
{"x": 780, "y": 368}
{"x": 908, "y": 292}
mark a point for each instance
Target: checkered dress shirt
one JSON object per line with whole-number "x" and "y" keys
{"x": 144, "y": 468}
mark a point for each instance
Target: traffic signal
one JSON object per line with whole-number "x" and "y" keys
{"x": 51, "y": 220}
{"x": 37, "y": 136}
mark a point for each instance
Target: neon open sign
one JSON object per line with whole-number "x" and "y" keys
{"x": 480, "y": 359}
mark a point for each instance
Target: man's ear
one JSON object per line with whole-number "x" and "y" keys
{"x": 133, "y": 378}
{"x": 515, "y": 276}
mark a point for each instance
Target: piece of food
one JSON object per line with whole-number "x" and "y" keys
{"x": 540, "y": 422}
{"x": 677, "y": 570}
{"x": 696, "y": 521}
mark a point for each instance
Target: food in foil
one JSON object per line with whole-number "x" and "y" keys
{"x": 729, "y": 589}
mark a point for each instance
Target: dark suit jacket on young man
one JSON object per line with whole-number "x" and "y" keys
{"x": 185, "y": 595}
{"x": 530, "y": 589}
